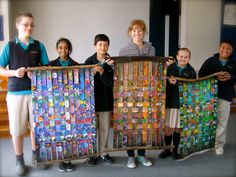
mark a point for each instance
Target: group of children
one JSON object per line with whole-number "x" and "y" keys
{"x": 24, "y": 52}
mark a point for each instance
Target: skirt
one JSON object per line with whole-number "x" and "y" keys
{"x": 172, "y": 117}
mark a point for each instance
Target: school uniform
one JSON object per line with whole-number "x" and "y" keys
{"x": 226, "y": 93}
{"x": 103, "y": 92}
{"x": 172, "y": 93}
{"x": 16, "y": 54}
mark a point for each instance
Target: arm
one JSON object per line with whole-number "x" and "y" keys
{"x": 152, "y": 51}
{"x": 44, "y": 55}
{"x": 4, "y": 62}
{"x": 11, "y": 73}
{"x": 107, "y": 76}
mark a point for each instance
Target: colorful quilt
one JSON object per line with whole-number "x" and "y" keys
{"x": 63, "y": 112}
{"x": 139, "y": 102}
{"x": 198, "y": 115}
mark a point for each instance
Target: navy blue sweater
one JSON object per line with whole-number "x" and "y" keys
{"x": 213, "y": 65}
{"x": 22, "y": 58}
{"x": 172, "y": 91}
{"x": 103, "y": 86}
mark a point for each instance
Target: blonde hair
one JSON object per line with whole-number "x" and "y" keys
{"x": 184, "y": 49}
{"x": 23, "y": 14}
{"x": 139, "y": 23}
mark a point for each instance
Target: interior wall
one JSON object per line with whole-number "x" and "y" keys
{"x": 200, "y": 28}
{"x": 80, "y": 21}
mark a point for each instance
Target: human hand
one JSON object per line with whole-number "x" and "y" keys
{"x": 20, "y": 72}
{"x": 172, "y": 80}
{"x": 98, "y": 69}
{"x": 170, "y": 60}
{"x": 224, "y": 76}
{"x": 29, "y": 74}
{"x": 110, "y": 62}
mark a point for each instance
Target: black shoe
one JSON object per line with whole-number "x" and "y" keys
{"x": 69, "y": 166}
{"x": 20, "y": 167}
{"x": 62, "y": 167}
{"x": 176, "y": 156}
{"x": 165, "y": 154}
{"x": 91, "y": 162}
{"x": 107, "y": 159}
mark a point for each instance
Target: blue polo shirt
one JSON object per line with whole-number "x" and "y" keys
{"x": 5, "y": 59}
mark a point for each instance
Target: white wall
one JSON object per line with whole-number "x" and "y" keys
{"x": 80, "y": 21}
{"x": 200, "y": 26}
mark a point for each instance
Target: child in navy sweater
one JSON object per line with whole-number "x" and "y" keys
{"x": 64, "y": 49}
{"x": 103, "y": 92}
{"x": 222, "y": 62}
{"x": 182, "y": 69}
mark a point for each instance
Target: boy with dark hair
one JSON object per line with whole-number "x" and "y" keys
{"x": 103, "y": 91}
{"x": 222, "y": 62}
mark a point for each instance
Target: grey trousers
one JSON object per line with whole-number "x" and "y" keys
{"x": 103, "y": 126}
{"x": 222, "y": 122}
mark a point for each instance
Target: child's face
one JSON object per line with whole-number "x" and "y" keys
{"x": 183, "y": 58}
{"x": 137, "y": 34}
{"x": 25, "y": 26}
{"x": 225, "y": 50}
{"x": 63, "y": 50}
{"x": 102, "y": 47}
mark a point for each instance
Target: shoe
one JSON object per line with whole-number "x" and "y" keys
{"x": 91, "y": 162}
{"x": 131, "y": 162}
{"x": 42, "y": 167}
{"x": 107, "y": 159}
{"x": 62, "y": 167}
{"x": 219, "y": 150}
{"x": 144, "y": 160}
{"x": 165, "y": 154}
{"x": 20, "y": 167}
{"x": 69, "y": 166}
{"x": 176, "y": 156}
{"x": 34, "y": 162}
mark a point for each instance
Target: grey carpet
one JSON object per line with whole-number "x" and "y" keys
{"x": 203, "y": 165}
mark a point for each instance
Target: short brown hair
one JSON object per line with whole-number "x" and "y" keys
{"x": 23, "y": 14}
{"x": 139, "y": 23}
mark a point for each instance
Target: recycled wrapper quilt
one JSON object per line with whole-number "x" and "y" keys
{"x": 63, "y": 112}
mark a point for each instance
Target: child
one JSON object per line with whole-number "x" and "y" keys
{"x": 137, "y": 47}
{"x": 18, "y": 54}
{"x": 103, "y": 90}
{"x": 222, "y": 61}
{"x": 64, "y": 49}
{"x": 182, "y": 69}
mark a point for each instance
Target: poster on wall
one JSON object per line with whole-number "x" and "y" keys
{"x": 229, "y": 14}
{"x": 198, "y": 115}
{"x": 1, "y": 28}
{"x": 139, "y": 102}
{"x": 63, "y": 112}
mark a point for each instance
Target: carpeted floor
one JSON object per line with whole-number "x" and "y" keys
{"x": 203, "y": 165}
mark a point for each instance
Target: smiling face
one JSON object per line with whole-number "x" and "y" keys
{"x": 225, "y": 50}
{"x": 183, "y": 57}
{"x": 25, "y": 26}
{"x": 102, "y": 48}
{"x": 137, "y": 34}
{"x": 63, "y": 50}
